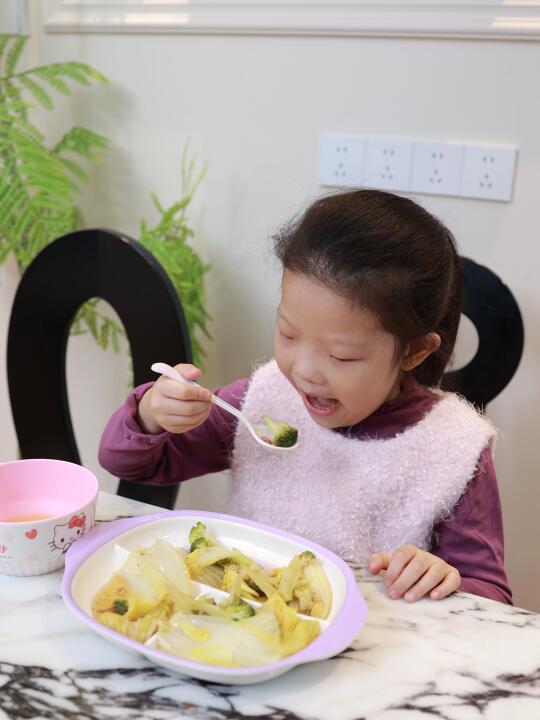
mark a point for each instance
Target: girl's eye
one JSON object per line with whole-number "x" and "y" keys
{"x": 285, "y": 336}
{"x": 344, "y": 360}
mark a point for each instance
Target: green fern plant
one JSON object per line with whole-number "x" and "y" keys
{"x": 39, "y": 187}
{"x": 39, "y": 184}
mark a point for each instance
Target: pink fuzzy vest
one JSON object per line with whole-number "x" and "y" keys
{"x": 354, "y": 496}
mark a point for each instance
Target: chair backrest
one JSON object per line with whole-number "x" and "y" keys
{"x": 493, "y": 310}
{"x": 67, "y": 273}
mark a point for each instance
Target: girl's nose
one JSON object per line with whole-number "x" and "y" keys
{"x": 308, "y": 372}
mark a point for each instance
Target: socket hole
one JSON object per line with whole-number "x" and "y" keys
{"x": 484, "y": 159}
{"x": 435, "y": 172}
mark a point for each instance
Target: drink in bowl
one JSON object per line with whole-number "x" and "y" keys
{"x": 45, "y": 506}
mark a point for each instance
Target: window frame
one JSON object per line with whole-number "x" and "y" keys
{"x": 485, "y": 19}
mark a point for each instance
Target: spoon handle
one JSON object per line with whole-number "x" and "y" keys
{"x": 173, "y": 374}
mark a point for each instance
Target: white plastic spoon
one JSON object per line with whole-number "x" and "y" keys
{"x": 256, "y": 430}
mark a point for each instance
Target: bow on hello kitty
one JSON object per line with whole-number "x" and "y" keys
{"x": 77, "y": 521}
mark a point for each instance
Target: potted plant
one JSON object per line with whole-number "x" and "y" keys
{"x": 39, "y": 185}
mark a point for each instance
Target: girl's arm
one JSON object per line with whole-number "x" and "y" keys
{"x": 472, "y": 539}
{"x": 166, "y": 458}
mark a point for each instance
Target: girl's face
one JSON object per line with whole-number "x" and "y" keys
{"x": 337, "y": 356}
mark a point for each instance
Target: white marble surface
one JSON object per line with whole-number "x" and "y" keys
{"x": 464, "y": 658}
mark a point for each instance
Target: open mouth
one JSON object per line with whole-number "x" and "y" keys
{"x": 320, "y": 405}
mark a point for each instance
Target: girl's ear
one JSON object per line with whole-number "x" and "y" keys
{"x": 418, "y": 350}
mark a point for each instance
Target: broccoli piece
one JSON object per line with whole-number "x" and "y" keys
{"x": 283, "y": 434}
{"x": 307, "y": 555}
{"x": 200, "y": 542}
{"x": 120, "y": 607}
{"x": 238, "y": 609}
{"x": 199, "y": 537}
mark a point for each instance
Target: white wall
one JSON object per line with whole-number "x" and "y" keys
{"x": 255, "y": 108}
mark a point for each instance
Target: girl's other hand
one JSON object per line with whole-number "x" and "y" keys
{"x": 173, "y": 406}
{"x": 412, "y": 573}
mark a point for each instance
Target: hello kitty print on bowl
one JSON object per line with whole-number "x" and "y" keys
{"x": 66, "y": 534}
{"x": 45, "y": 506}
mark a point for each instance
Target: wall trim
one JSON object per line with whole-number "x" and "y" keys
{"x": 487, "y": 19}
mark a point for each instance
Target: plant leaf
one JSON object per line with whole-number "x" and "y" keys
{"x": 37, "y": 91}
{"x": 52, "y": 77}
{"x": 13, "y": 55}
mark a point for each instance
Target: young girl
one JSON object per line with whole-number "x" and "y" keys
{"x": 389, "y": 470}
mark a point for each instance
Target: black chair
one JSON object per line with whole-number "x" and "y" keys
{"x": 493, "y": 310}
{"x": 67, "y": 273}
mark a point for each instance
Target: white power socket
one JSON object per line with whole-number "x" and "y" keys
{"x": 388, "y": 163}
{"x": 341, "y": 160}
{"x": 437, "y": 168}
{"x": 488, "y": 172}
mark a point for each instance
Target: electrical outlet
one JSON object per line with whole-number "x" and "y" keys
{"x": 388, "y": 163}
{"x": 341, "y": 158}
{"x": 437, "y": 168}
{"x": 488, "y": 172}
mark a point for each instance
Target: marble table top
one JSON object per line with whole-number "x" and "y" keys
{"x": 463, "y": 658}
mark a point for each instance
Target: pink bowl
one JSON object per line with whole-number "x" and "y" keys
{"x": 45, "y": 506}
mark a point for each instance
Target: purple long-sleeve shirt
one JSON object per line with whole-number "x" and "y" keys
{"x": 470, "y": 540}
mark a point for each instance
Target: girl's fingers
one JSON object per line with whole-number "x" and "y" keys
{"x": 378, "y": 562}
{"x": 179, "y": 391}
{"x": 181, "y": 423}
{"x": 427, "y": 582}
{"x": 450, "y": 584}
{"x": 399, "y": 560}
{"x": 191, "y": 408}
{"x": 181, "y": 408}
{"x": 187, "y": 370}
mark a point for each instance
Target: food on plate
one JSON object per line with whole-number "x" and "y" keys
{"x": 214, "y": 604}
{"x": 281, "y": 434}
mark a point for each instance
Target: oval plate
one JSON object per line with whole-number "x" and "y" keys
{"x": 92, "y": 560}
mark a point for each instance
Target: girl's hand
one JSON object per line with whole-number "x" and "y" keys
{"x": 412, "y": 573}
{"x": 173, "y": 406}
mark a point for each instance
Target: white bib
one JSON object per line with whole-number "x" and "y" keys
{"x": 354, "y": 496}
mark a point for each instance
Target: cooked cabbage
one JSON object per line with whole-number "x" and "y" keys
{"x": 152, "y": 596}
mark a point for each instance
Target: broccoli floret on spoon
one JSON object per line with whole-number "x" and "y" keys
{"x": 281, "y": 433}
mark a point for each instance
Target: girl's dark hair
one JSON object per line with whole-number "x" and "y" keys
{"x": 388, "y": 254}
